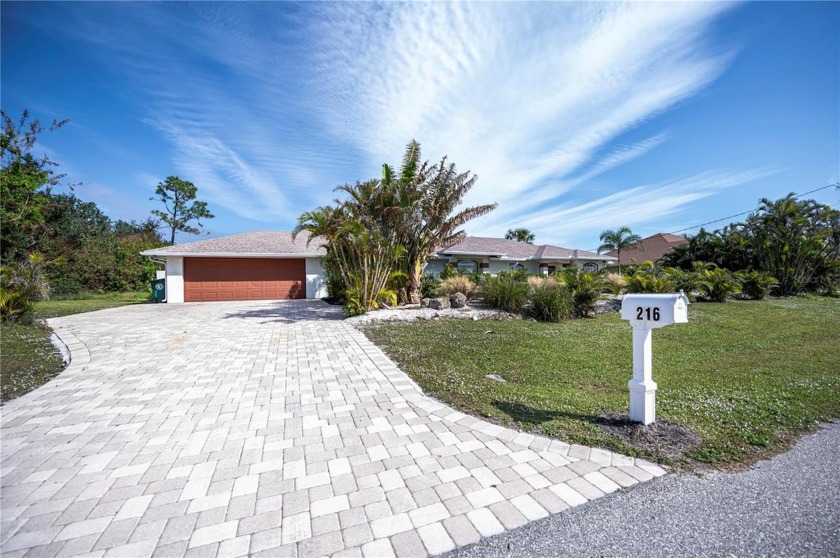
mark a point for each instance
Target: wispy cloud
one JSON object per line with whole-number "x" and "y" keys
{"x": 530, "y": 97}
{"x": 268, "y": 106}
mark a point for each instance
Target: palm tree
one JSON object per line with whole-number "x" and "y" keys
{"x": 520, "y": 235}
{"x": 427, "y": 197}
{"x": 618, "y": 240}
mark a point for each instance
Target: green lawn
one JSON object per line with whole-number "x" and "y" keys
{"x": 29, "y": 358}
{"x": 748, "y": 377}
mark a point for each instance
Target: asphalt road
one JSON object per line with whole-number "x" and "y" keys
{"x": 788, "y": 506}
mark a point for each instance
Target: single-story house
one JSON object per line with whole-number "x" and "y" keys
{"x": 652, "y": 248}
{"x": 491, "y": 255}
{"x": 264, "y": 265}
{"x": 269, "y": 265}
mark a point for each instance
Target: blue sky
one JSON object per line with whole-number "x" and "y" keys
{"x": 577, "y": 117}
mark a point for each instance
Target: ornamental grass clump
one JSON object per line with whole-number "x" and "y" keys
{"x": 505, "y": 293}
{"x": 551, "y": 302}
{"x": 457, "y": 284}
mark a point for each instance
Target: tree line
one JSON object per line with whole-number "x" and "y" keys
{"x": 64, "y": 245}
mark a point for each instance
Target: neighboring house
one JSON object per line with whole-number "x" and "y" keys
{"x": 263, "y": 265}
{"x": 269, "y": 265}
{"x": 652, "y": 248}
{"x": 492, "y": 255}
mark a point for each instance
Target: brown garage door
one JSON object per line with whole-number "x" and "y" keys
{"x": 210, "y": 279}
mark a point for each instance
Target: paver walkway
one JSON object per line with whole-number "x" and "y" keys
{"x": 264, "y": 428}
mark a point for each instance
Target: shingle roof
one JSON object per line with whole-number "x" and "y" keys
{"x": 489, "y": 246}
{"x": 258, "y": 244}
{"x": 652, "y": 248}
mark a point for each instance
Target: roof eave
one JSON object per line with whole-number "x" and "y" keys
{"x": 284, "y": 255}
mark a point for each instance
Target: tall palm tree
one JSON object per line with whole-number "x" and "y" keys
{"x": 427, "y": 197}
{"x": 618, "y": 240}
{"x": 520, "y": 235}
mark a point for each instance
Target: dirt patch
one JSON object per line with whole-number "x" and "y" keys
{"x": 663, "y": 438}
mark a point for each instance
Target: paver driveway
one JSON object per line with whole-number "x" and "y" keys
{"x": 267, "y": 428}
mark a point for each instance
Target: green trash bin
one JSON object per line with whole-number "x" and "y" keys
{"x": 159, "y": 290}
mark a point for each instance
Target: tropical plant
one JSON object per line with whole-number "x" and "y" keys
{"x": 647, "y": 279}
{"x": 614, "y": 283}
{"x": 520, "y": 235}
{"x": 718, "y": 283}
{"x": 361, "y": 248}
{"x": 429, "y": 284}
{"x": 585, "y": 287}
{"x": 551, "y": 302}
{"x": 792, "y": 238}
{"x": 618, "y": 240}
{"x": 505, "y": 293}
{"x": 689, "y": 282}
{"x": 176, "y": 195}
{"x": 449, "y": 270}
{"x": 460, "y": 284}
{"x": 424, "y": 209}
{"x": 22, "y": 284}
{"x": 756, "y": 284}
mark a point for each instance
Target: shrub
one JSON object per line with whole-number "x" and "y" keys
{"x": 22, "y": 284}
{"x": 614, "y": 283}
{"x": 586, "y": 288}
{"x": 551, "y": 302}
{"x": 756, "y": 284}
{"x": 458, "y": 284}
{"x": 646, "y": 279}
{"x": 505, "y": 293}
{"x": 429, "y": 283}
{"x": 449, "y": 270}
{"x": 689, "y": 282}
{"x": 719, "y": 284}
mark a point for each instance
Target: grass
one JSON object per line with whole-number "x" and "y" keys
{"x": 748, "y": 377}
{"x": 29, "y": 359}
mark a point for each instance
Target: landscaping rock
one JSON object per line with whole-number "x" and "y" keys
{"x": 495, "y": 378}
{"x": 438, "y": 303}
{"x": 607, "y": 306}
{"x": 424, "y": 302}
{"x": 458, "y": 300}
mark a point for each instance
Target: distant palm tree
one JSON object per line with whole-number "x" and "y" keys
{"x": 618, "y": 240}
{"x": 520, "y": 235}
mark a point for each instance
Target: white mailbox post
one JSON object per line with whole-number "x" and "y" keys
{"x": 646, "y": 312}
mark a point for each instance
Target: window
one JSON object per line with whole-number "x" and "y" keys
{"x": 467, "y": 266}
{"x": 516, "y": 267}
{"x": 589, "y": 266}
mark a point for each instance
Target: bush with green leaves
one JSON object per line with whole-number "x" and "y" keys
{"x": 460, "y": 284}
{"x": 689, "y": 282}
{"x": 647, "y": 279}
{"x": 22, "y": 284}
{"x": 449, "y": 270}
{"x": 429, "y": 283}
{"x": 585, "y": 287}
{"x": 551, "y": 302}
{"x": 719, "y": 284}
{"x": 505, "y": 293}
{"x": 756, "y": 284}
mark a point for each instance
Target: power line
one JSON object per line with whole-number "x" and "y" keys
{"x": 836, "y": 185}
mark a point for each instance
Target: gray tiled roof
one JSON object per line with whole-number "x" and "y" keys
{"x": 489, "y": 246}
{"x": 261, "y": 243}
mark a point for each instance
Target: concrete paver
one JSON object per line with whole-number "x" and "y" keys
{"x": 264, "y": 427}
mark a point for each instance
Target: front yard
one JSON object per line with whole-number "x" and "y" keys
{"x": 740, "y": 381}
{"x": 28, "y": 357}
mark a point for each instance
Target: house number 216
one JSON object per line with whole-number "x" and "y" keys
{"x": 647, "y": 313}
